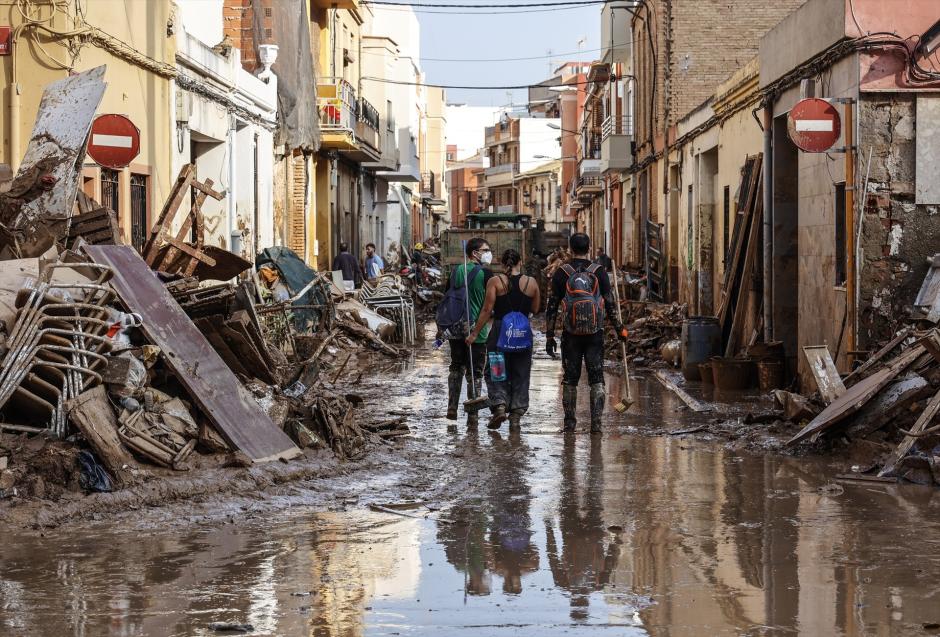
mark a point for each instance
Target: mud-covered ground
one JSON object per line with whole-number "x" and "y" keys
{"x": 414, "y": 389}
{"x": 647, "y": 530}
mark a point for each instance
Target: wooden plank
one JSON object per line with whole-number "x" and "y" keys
{"x": 923, "y": 421}
{"x": 856, "y": 397}
{"x": 741, "y": 230}
{"x": 213, "y": 387}
{"x": 91, "y": 413}
{"x": 744, "y": 284}
{"x": 692, "y": 403}
{"x": 824, "y": 370}
{"x": 877, "y": 357}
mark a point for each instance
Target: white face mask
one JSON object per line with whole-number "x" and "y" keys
{"x": 486, "y": 258}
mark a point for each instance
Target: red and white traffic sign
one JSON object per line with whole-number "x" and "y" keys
{"x": 115, "y": 141}
{"x": 814, "y": 125}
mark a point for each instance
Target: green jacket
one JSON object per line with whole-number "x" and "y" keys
{"x": 477, "y": 293}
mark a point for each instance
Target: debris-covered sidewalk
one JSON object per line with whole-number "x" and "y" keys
{"x": 119, "y": 367}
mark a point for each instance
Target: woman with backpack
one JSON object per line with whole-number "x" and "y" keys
{"x": 510, "y": 298}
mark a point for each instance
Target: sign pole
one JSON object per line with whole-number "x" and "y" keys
{"x": 850, "y": 283}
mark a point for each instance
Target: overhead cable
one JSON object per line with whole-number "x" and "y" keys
{"x": 397, "y": 3}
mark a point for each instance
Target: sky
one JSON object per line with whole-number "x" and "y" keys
{"x": 563, "y": 31}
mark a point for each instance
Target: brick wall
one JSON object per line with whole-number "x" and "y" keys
{"x": 707, "y": 41}
{"x": 238, "y": 23}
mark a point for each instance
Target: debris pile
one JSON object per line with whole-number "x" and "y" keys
{"x": 889, "y": 401}
{"x": 116, "y": 367}
{"x": 654, "y": 331}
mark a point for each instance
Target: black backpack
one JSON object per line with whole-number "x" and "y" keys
{"x": 452, "y": 319}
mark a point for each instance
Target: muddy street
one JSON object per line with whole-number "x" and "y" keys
{"x": 478, "y": 533}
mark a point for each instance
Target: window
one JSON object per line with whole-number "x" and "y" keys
{"x": 110, "y": 191}
{"x": 389, "y": 116}
{"x": 840, "y": 234}
{"x": 140, "y": 206}
{"x": 726, "y": 208}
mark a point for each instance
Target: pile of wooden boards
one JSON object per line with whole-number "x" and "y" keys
{"x": 651, "y": 325}
{"x": 891, "y": 399}
{"x": 739, "y": 308}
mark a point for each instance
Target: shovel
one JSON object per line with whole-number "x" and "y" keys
{"x": 625, "y": 400}
{"x": 474, "y": 403}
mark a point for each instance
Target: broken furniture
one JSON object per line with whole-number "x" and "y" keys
{"x": 93, "y": 223}
{"x": 169, "y": 252}
{"x": 390, "y": 298}
{"x": 197, "y": 365}
{"x": 57, "y": 345}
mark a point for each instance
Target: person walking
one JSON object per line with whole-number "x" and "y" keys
{"x": 374, "y": 263}
{"x": 604, "y": 260}
{"x": 506, "y": 294}
{"x": 347, "y": 264}
{"x": 479, "y": 255}
{"x": 581, "y": 292}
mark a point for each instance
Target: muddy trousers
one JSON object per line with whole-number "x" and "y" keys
{"x": 578, "y": 351}
{"x": 460, "y": 355}
{"x": 511, "y": 394}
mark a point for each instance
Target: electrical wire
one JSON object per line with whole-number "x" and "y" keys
{"x": 519, "y": 59}
{"x": 383, "y": 80}
{"x": 480, "y": 13}
{"x": 397, "y": 3}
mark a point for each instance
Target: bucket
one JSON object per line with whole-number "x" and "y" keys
{"x": 770, "y": 374}
{"x": 707, "y": 373}
{"x": 734, "y": 373}
{"x": 701, "y": 339}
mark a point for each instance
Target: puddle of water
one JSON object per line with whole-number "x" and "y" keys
{"x": 632, "y": 535}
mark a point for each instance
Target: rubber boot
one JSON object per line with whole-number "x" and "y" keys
{"x": 569, "y": 402}
{"x": 498, "y": 417}
{"x": 453, "y": 394}
{"x": 598, "y": 396}
{"x": 473, "y": 419}
{"x": 515, "y": 420}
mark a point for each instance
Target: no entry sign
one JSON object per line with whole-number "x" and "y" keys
{"x": 814, "y": 125}
{"x": 115, "y": 141}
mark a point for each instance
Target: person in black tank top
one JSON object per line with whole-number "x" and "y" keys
{"x": 505, "y": 293}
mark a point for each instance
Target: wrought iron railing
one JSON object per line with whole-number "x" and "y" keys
{"x": 617, "y": 126}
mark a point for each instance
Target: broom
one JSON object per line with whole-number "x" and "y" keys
{"x": 625, "y": 400}
{"x": 473, "y": 404}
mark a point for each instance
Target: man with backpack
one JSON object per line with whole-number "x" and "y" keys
{"x": 467, "y": 287}
{"x": 581, "y": 292}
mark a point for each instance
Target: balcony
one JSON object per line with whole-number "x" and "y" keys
{"x": 428, "y": 185}
{"x": 616, "y": 144}
{"x": 500, "y": 134}
{"x": 368, "y": 127}
{"x": 338, "y": 106}
{"x": 501, "y": 175}
{"x": 587, "y": 187}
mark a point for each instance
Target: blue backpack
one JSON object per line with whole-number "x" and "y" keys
{"x": 515, "y": 333}
{"x": 452, "y": 319}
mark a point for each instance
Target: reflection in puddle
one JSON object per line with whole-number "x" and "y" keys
{"x": 631, "y": 535}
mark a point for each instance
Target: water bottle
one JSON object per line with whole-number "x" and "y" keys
{"x": 497, "y": 366}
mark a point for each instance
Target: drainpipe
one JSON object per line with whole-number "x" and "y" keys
{"x": 234, "y": 234}
{"x": 768, "y": 221}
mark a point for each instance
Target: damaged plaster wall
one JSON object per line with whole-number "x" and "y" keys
{"x": 898, "y": 235}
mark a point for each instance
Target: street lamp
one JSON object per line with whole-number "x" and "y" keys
{"x": 564, "y": 130}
